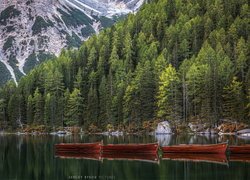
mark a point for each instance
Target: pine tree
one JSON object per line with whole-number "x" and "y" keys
{"x": 30, "y": 110}
{"x": 233, "y": 106}
{"x": 3, "y": 112}
{"x": 92, "y": 108}
{"x": 128, "y": 53}
{"x": 167, "y": 97}
{"x": 74, "y": 108}
{"x": 47, "y": 110}
{"x": 241, "y": 58}
{"x": 38, "y": 107}
{"x": 103, "y": 99}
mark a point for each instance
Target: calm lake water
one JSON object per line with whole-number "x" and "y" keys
{"x": 33, "y": 157}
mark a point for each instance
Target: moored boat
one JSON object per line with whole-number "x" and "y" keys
{"x": 243, "y": 149}
{"x": 79, "y": 147}
{"x": 193, "y": 157}
{"x": 196, "y": 148}
{"x": 150, "y": 148}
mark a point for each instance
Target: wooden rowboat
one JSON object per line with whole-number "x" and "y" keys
{"x": 79, "y": 147}
{"x": 151, "y": 148}
{"x": 153, "y": 158}
{"x": 193, "y": 157}
{"x": 243, "y": 149}
{"x": 196, "y": 148}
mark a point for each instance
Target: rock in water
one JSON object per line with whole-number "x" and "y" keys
{"x": 163, "y": 128}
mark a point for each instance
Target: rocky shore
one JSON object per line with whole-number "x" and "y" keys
{"x": 156, "y": 127}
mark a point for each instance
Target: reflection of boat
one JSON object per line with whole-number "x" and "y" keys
{"x": 196, "y": 148}
{"x": 132, "y": 157}
{"x": 211, "y": 158}
{"x": 150, "y": 148}
{"x": 153, "y": 158}
{"x": 243, "y": 149}
{"x": 240, "y": 157}
{"x": 77, "y": 155}
{"x": 79, "y": 147}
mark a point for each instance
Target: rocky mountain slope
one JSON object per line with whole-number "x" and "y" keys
{"x": 32, "y": 31}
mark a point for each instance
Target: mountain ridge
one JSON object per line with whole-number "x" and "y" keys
{"x": 32, "y": 31}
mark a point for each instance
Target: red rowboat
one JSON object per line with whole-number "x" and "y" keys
{"x": 151, "y": 148}
{"x": 196, "y": 148}
{"x": 79, "y": 147}
{"x": 132, "y": 157}
{"x": 244, "y": 149}
{"x": 210, "y": 158}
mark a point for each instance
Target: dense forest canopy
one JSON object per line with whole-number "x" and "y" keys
{"x": 178, "y": 60}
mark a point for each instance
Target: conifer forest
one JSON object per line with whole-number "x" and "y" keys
{"x": 175, "y": 60}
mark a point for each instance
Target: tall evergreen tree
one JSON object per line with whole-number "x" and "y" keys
{"x": 167, "y": 96}
{"x": 38, "y": 104}
{"x": 233, "y": 100}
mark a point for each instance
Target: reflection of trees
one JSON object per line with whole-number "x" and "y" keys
{"x": 204, "y": 139}
{"x": 32, "y": 157}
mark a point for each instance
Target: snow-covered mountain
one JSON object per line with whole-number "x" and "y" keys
{"x": 32, "y": 31}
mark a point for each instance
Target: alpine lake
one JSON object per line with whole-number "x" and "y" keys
{"x": 30, "y": 157}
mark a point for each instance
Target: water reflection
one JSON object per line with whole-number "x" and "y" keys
{"x": 164, "y": 140}
{"x": 33, "y": 157}
{"x": 209, "y": 158}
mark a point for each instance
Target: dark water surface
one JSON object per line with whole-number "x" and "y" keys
{"x": 33, "y": 157}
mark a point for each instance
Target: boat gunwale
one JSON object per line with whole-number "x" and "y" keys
{"x": 133, "y": 144}
{"x": 68, "y": 144}
{"x": 198, "y": 149}
{"x": 195, "y": 145}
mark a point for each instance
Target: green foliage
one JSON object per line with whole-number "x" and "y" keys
{"x": 8, "y": 43}
{"x": 87, "y": 31}
{"x": 233, "y": 100}
{"x": 167, "y": 96}
{"x": 40, "y": 24}
{"x": 8, "y": 13}
{"x": 38, "y": 107}
{"x": 6, "y": 73}
{"x": 73, "y": 41}
{"x": 105, "y": 22}
{"x": 75, "y": 18}
{"x": 173, "y": 60}
{"x": 74, "y": 108}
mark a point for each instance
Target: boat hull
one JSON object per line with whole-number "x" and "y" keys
{"x": 130, "y": 148}
{"x": 79, "y": 147}
{"x": 208, "y": 149}
{"x": 244, "y": 149}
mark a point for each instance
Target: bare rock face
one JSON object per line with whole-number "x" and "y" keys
{"x": 32, "y": 31}
{"x": 163, "y": 128}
